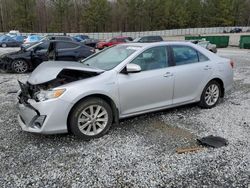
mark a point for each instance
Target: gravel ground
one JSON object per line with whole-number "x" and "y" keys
{"x": 141, "y": 151}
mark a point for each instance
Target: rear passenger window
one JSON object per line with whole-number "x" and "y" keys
{"x": 154, "y": 58}
{"x": 185, "y": 55}
{"x": 65, "y": 45}
{"x": 202, "y": 57}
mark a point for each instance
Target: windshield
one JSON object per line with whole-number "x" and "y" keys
{"x": 110, "y": 58}
{"x": 31, "y": 46}
{"x": 137, "y": 39}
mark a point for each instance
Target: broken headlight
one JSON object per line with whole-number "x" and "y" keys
{"x": 49, "y": 94}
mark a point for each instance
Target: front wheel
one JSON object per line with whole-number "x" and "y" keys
{"x": 4, "y": 45}
{"x": 210, "y": 95}
{"x": 20, "y": 66}
{"x": 91, "y": 118}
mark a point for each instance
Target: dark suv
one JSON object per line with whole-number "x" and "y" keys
{"x": 29, "y": 58}
{"x": 148, "y": 39}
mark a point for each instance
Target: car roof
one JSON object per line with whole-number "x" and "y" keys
{"x": 68, "y": 41}
{"x": 157, "y": 43}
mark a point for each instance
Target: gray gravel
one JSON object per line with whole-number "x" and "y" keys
{"x": 140, "y": 152}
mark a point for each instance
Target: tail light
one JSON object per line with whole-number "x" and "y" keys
{"x": 232, "y": 64}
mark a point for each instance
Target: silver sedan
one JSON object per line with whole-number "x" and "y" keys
{"x": 87, "y": 97}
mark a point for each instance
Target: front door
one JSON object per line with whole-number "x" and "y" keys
{"x": 149, "y": 89}
{"x": 39, "y": 54}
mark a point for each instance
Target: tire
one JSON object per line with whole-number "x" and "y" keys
{"x": 20, "y": 66}
{"x": 4, "y": 45}
{"x": 86, "y": 124}
{"x": 210, "y": 95}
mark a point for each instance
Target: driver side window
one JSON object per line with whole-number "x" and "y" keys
{"x": 153, "y": 58}
{"x": 43, "y": 46}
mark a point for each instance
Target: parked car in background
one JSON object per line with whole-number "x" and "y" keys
{"x": 80, "y": 38}
{"x": 148, "y": 39}
{"x": 112, "y": 42}
{"x": 31, "y": 39}
{"x": 86, "y": 40}
{"x": 30, "y": 57}
{"x": 7, "y": 41}
{"x": 236, "y": 30}
{"x": 19, "y": 38}
{"x": 13, "y": 33}
{"x": 122, "y": 81}
{"x": 206, "y": 44}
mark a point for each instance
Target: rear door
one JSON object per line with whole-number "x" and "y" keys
{"x": 149, "y": 89}
{"x": 192, "y": 72}
{"x": 11, "y": 42}
{"x": 67, "y": 51}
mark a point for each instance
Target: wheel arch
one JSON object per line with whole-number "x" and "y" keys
{"x": 220, "y": 81}
{"x": 106, "y": 98}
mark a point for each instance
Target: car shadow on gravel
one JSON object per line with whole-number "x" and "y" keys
{"x": 149, "y": 127}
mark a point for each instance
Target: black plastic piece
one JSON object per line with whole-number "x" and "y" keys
{"x": 213, "y": 141}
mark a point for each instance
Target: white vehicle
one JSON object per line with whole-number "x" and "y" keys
{"x": 122, "y": 81}
{"x": 13, "y": 33}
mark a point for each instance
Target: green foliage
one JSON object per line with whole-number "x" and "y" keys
{"x": 24, "y": 14}
{"x": 120, "y": 15}
{"x": 96, "y": 15}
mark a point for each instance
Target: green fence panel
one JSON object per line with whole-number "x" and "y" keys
{"x": 220, "y": 41}
{"x": 245, "y": 41}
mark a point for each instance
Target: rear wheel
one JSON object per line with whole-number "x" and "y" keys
{"x": 210, "y": 95}
{"x": 91, "y": 118}
{"x": 4, "y": 45}
{"x": 20, "y": 66}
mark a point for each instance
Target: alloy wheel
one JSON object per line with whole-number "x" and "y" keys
{"x": 20, "y": 66}
{"x": 212, "y": 94}
{"x": 93, "y": 120}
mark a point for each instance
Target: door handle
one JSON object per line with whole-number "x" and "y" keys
{"x": 207, "y": 67}
{"x": 168, "y": 74}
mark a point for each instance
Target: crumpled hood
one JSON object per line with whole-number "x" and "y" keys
{"x": 49, "y": 70}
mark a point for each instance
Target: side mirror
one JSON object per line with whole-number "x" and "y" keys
{"x": 132, "y": 68}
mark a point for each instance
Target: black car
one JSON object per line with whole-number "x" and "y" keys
{"x": 30, "y": 57}
{"x": 148, "y": 39}
{"x": 50, "y": 37}
{"x": 236, "y": 30}
{"x": 7, "y": 41}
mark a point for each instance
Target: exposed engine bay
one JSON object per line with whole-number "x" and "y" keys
{"x": 66, "y": 76}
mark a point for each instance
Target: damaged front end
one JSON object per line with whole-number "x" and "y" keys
{"x": 34, "y": 104}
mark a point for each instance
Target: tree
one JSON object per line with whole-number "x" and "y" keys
{"x": 96, "y": 15}
{"x": 24, "y": 13}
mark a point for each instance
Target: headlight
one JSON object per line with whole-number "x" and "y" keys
{"x": 49, "y": 94}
